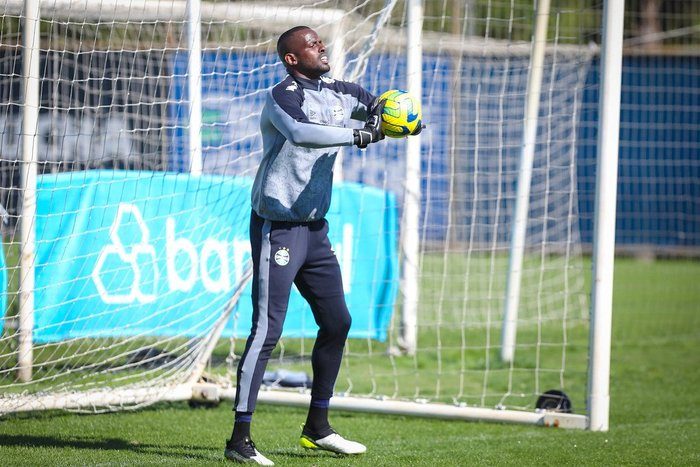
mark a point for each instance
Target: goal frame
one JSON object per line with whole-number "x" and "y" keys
{"x": 603, "y": 245}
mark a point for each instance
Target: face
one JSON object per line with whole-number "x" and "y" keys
{"x": 307, "y": 56}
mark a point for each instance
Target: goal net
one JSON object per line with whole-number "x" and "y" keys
{"x": 129, "y": 283}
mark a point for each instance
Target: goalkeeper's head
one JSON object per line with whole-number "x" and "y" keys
{"x": 303, "y": 52}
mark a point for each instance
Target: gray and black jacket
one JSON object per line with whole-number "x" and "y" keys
{"x": 304, "y": 123}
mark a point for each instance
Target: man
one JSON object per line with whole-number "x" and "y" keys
{"x": 304, "y": 123}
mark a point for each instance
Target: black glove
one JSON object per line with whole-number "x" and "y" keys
{"x": 363, "y": 136}
{"x": 372, "y": 131}
{"x": 418, "y": 129}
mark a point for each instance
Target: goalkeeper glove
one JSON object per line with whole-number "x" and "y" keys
{"x": 418, "y": 129}
{"x": 372, "y": 131}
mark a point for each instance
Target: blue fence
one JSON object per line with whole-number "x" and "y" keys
{"x": 659, "y": 168}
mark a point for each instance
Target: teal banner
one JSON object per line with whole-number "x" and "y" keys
{"x": 126, "y": 253}
{"x": 3, "y": 287}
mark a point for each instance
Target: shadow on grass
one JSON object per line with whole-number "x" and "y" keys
{"x": 305, "y": 454}
{"x": 177, "y": 452}
{"x": 58, "y": 413}
{"x": 108, "y": 444}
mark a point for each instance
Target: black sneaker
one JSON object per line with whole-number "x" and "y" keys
{"x": 245, "y": 452}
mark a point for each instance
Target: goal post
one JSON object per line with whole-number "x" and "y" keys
{"x": 605, "y": 209}
{"x": 146, "y": 145}
{"x": 30, "y": 114}
{"x": 410, "y": 231}
{"x": 522, "y": 200}
{"x": 194, "y": 85}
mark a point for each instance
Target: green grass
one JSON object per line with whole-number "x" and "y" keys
{"x": 655, "y": 408}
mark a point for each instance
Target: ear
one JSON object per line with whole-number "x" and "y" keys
{"x": 290, "y": 59}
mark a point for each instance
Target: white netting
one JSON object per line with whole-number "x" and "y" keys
{"x": 137, "y": 260}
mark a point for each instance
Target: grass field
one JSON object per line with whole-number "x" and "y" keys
{"x": 655, "y": 408}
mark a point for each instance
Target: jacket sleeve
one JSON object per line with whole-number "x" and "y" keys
{"x": 287, "y": 116}
{"x": 364, "y": 99}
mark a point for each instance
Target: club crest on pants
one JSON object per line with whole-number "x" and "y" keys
{"x": 282, "y": 256}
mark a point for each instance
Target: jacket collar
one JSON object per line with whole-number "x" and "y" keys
{"x": 305, "y": 83}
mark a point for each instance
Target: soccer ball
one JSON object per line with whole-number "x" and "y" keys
{"x": 401, "y": 114}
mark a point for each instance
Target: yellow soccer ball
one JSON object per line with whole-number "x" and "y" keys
{"x": 401, "y": 114}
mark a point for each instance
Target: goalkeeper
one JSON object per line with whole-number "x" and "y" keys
{"x": 304, "y": 123}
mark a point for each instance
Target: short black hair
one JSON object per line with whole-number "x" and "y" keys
{"x": 283, "y": 41}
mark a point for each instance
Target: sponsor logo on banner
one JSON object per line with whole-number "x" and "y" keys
{"x": 131, "y": 256}
{"x": 127, "y": 252}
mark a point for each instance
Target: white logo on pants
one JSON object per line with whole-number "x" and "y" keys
{"x": 282, "y": 256}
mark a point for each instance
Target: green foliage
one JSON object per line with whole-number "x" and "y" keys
{"x": 654, "y": 409}
{"x": 570, "y": 21}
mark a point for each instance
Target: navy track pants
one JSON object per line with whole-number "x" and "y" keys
{"x": 284, "y": 253}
